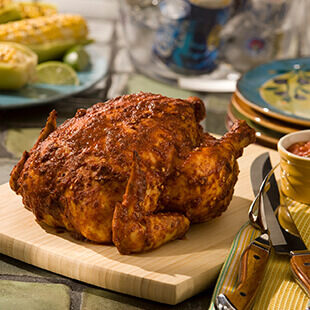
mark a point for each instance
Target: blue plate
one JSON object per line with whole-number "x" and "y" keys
{"x": 34, "y": 94}
{"x": 280, "y": 89}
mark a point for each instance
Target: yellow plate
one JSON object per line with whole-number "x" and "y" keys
{"x": 262, "y": 119}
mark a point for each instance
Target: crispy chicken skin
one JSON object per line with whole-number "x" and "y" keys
{"x": 134, "y": 171}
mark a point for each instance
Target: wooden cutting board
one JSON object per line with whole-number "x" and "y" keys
{"x": 170, "y": 274}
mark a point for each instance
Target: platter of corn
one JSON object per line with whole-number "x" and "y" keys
{"x": 34, "y": 37}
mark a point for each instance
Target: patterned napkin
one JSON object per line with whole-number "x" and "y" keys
{"x": 278, "y": 290}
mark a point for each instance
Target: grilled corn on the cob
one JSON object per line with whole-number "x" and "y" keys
{"x": 3, "y": 3}
{"x": 35, "y": 9}
{"x": 8, "y": 11}
{"x": 17, "y": 65}
{"x": 49, "y": 37}
{"x": 11, "y": 11}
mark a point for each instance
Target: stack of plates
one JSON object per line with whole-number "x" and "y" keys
{"x": 274, "y": 99}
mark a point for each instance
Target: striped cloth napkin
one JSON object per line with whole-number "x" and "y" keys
{"x": 278, "y": 290}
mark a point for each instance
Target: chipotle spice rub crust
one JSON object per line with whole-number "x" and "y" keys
{"x": 135, "y": 170}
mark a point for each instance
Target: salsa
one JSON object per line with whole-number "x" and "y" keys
{"x": 300, "y": 148}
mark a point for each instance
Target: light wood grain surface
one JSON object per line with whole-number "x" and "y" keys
{"x": 170, "y": 274}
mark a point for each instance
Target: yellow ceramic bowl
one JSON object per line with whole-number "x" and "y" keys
{"x": 295, "y": 170}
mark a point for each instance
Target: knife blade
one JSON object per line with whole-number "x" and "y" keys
{"x": 258, "y": 172}
{"x": 279, "y": 243}
{"x": 255, "y": 256}
{"x": 285, "y": 242}
{"x": 258, "y": 181}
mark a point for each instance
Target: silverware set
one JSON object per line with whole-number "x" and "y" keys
{"x": 277, "y": 229}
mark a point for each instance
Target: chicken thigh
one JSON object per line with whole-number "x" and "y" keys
{"x": 135, "y": 171}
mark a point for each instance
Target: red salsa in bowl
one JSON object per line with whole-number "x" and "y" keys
{"x": 294, "y": 151}
{"x": 300, "y": 148}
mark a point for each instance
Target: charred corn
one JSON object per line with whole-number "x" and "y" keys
{"x": 49, "y": 37}
{"x": 59, "y": 27}
{"x": 17, "y": 65}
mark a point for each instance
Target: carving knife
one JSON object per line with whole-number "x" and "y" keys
{"x": 282, "y": 240}
{"x": 255, "y": 256}
{"x": 285, "y": 242}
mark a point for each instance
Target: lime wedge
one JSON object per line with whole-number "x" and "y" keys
{"x": 56, "y": 72}
{"x": 77, "y": 57}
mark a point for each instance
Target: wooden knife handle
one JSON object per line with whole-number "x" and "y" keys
{"x": 252, "y": 267}
{"x": 300, "y": 265}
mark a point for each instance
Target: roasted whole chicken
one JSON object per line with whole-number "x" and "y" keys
{"x": 135, "y": 170}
